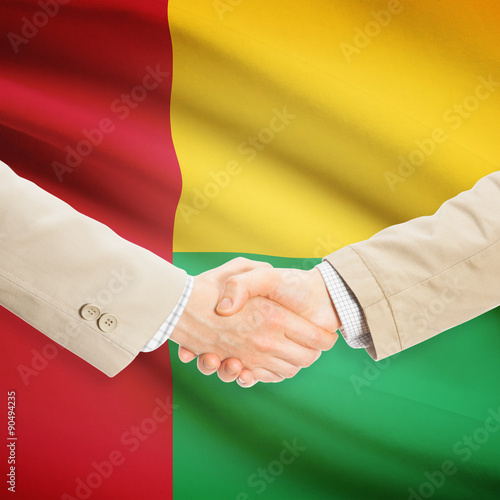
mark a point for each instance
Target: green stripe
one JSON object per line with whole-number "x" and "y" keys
{"x": 370, "y": 430}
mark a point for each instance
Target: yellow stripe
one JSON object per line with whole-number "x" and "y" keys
{"x": 335, "y": 92}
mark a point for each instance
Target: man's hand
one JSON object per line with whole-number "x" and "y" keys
{"x": 270, "y": 341}
{"x": 303, "y": 292}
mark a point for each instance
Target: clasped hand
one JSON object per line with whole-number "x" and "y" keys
{"x": 251, "y": 322}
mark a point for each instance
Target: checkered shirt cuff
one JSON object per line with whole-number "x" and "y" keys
{"x": 354, "y": 327}
{"x": 167, "y": 328}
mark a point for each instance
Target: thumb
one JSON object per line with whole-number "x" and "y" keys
{"x": 238, "y": 289}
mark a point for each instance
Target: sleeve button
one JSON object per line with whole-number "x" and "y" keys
{"x": 107, "y": 323}
{"x": 90, "y": 312}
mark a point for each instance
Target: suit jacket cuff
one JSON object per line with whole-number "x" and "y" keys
{"x": 379, "y": 316}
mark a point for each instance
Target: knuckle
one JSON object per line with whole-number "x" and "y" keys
{"x": 255, "y": 320}
{"x": 274, "y": 317}
{"x": 313, "y": 340}
{"x": 232, "y": 366}
{"x": 243, "y": 329}
{"x": 240, "y": 260}
{"x": 201, "y": 367}
{"x": 232, "y": 281}
{"x": 233, "y": 284}
{"x": 263, "y": 343}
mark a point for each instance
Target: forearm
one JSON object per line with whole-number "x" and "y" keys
{"x": 55, "y": 260}
{"x": 417, "y": 279}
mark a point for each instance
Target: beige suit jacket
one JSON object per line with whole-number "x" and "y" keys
{"x": 417, "y": 279}
{"x": 54, "y": 261}
{"x": 413, "y": 280}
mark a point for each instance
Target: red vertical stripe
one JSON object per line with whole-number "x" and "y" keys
{"x": 91, "y": 77}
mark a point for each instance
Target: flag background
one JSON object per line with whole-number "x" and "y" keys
{"x": 296, "y": 129}
{"x": 367, "y": 87}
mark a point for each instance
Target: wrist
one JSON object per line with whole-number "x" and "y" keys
{"x": 324, "y": 306}
{"x": 193, "y": 330}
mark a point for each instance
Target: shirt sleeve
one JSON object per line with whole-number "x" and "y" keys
{"x": 167, "y": 328}
{"x": 354, "y": 327}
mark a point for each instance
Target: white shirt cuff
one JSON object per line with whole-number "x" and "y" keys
{"x": 354, "y": 327}
{"x": 167, "y": 328}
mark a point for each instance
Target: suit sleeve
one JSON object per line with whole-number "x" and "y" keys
{"x": 417, "y": 279}
{"x": 77, "y": 281}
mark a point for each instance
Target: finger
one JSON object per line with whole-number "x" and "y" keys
{"x": 230, "y": 369}
{"x": 246, "y": 379}
{"x": 238, "y": 289}
{"x": 238, "y": 266}
{"x": 263, "y": 375}
{"x": 296, "y": 355}
{"x": 282, "y": 369}
{"x": 275, "y": 369}
{"x": 285, "y": 335}
{"x": 208, "y": 363}
{"x": 185, "y": 355}
{"x": 306, "y": 333}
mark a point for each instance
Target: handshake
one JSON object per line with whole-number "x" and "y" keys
{"x": 251, "y": 322}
